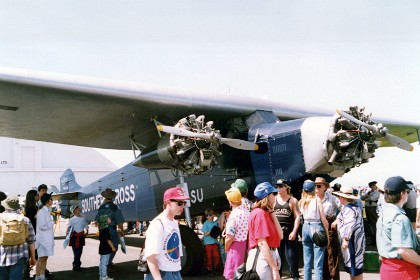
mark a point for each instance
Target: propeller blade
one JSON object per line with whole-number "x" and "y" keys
{"x": 399, "y": 142}
{"x": 234, "y": 143}
{"x": 240, "y": 144}
{"x": 181, "y": 132}
{"x": 353, "y": 119}
{"x": 395, "y": 140}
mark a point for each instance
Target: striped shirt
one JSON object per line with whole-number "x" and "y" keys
{"x": 10, "y": 255}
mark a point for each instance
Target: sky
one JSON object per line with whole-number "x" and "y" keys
{"x": 328, "y": 54}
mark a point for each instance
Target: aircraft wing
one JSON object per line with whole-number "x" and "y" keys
{"x": 65, "y": 196}
{"x": 101, "y": 113}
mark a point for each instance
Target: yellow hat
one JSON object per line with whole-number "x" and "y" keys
{"x": 233, "y": 195}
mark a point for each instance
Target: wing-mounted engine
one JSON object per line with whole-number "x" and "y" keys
{"x": 186, "y": 152}
{"x": 191, "y": 146}
{"x": 194, "y": 155}
{"x": 350, "y": 144}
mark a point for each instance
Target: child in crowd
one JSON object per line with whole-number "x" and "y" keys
{"x": 211, "y": 245}
{"x": 106, "y": 247}
{"x": 79, "y": 227}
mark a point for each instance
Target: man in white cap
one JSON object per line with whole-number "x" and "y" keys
{"x": 15, "y": 251}
{"x": 163, "y": 248}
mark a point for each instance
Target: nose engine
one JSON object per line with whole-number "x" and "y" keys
{"x": 315, "y": 145}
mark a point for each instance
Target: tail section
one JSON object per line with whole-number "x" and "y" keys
{"x": 68, "y": 182}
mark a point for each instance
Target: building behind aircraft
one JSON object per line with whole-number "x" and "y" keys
{"x": 26, "y": 164}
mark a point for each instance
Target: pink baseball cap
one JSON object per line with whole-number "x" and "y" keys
{"x": 176, "y": 193}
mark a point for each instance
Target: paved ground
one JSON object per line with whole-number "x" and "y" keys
{"x": 61, "y": 263}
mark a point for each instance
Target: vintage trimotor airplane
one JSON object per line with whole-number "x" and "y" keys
{"x": 203, "y": 142}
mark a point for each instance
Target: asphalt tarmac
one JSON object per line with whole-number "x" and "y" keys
{"x": 60, "y": 265}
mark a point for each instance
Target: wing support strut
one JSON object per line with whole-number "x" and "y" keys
{"x": 184, "y": 186}
{"x": 135, "y": 147}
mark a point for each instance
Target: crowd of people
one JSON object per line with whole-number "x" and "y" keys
{"x": 27, "y": 235}
{"x": 260, "y": 235}
{"x": 263, "y": 233}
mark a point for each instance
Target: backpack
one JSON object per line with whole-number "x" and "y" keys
{"x": 13, "y": 229}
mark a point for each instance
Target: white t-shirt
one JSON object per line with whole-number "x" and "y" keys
{"x": 78, "y": 223}
{"x": 164, "y": 241}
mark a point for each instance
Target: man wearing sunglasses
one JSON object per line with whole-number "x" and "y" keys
{"x": 163, "y": 248}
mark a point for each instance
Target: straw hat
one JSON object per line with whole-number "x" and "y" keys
{"x": 321, "y": 181}
{"x": 346, "y": 192}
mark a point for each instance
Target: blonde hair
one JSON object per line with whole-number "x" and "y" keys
{"x": 263, "y": 204}
{"x": 306, "y": 199}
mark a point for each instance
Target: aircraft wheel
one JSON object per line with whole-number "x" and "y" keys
{"x": 193, "y": 259}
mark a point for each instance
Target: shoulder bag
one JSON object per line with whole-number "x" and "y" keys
{"x": 242, "y": 274}
{"x": 320, "y": 237}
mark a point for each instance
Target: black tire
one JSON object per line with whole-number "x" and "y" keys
{"x": 193, "y": 259}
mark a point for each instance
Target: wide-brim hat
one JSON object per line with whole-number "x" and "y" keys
{"x": 346, "y": 192}
{"x": 11, "y": 203}
{"x": 321, "y": 181}
{"x": 109, "y": 193}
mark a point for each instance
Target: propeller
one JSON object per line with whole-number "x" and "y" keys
{"x": 234, "y": 143}
{"x": 380, "y": 130}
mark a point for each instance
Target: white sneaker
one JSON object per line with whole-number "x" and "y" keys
{"x": 106, "y": 278}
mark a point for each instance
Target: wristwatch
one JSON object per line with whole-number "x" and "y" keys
{"x": 346, "y": 238}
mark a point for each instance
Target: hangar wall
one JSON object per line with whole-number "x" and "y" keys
{"x": 26, "y": 164}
